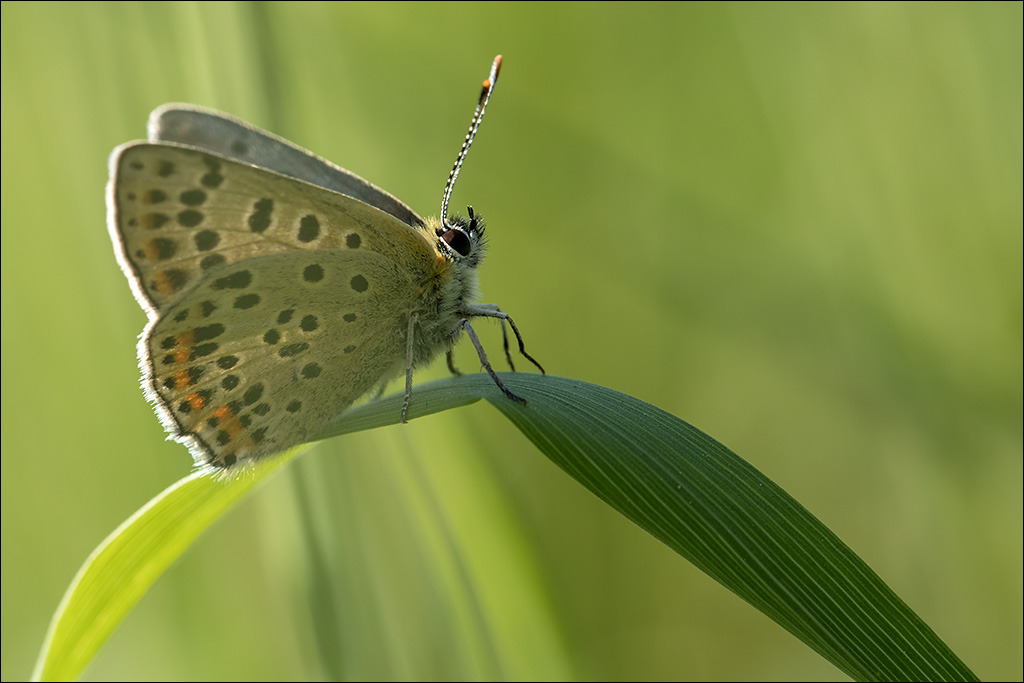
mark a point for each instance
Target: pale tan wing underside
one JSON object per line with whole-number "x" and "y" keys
{"x": 262, "y": 354}
{"x": 178, "y": 212}
{"x": 274, "y": 304}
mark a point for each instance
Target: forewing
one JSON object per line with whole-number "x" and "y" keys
{"x": 176, "y": 213}
{"x": 236, "y": 139}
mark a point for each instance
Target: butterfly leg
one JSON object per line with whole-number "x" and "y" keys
{"x": 492, "y": 311}
{"x": 464, "y": 323}
{"x": 504, "y": 334}
{"x": 451, "y": 365}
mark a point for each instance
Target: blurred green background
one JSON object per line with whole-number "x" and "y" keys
{"x": 797, "y": 227}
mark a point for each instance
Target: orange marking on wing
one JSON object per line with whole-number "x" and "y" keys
{"x": 195, "y": 401}
{"x": 151, "y": 250}
{"x": 182, "y": 379}
{"x": 228, "y": 421}
{"x": 163, "y": 283}
{"x": 184, "y": 342}
{"x": 151, "y": 221}
{"x": 223, "y": 413}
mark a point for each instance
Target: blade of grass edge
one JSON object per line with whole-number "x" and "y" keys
{"x": 732, "y": 522}
{"x": 674, "y": 481}
{"x": 128, "y": 562}
{"x": 121, "y": 570}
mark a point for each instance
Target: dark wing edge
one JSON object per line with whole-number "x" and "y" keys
{"x": 231, "y": 137}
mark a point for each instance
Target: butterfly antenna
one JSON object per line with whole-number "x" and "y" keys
{"x": 485, "y": 95}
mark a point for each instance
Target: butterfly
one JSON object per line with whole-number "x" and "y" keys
{"x": 279, "y": 287}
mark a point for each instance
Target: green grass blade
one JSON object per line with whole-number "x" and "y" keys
{"x": 679, "y": 484}
{"x": 732, "y": 522}
{"x": 120, "y": 571}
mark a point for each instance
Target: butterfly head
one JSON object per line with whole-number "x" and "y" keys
{"x": 461, "y": 239}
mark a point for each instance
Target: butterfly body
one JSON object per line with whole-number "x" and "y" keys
{"x": 280, "y": 288}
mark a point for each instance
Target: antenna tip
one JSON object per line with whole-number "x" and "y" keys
{"x": 493, "y": 77}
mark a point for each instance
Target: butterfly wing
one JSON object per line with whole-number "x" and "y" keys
{"x": 233, "y": 138}
{"x": 260, "y": 356}
{"x": 273, "y": 303}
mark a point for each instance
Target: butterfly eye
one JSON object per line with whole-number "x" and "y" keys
{"x": 458, "y": 240}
